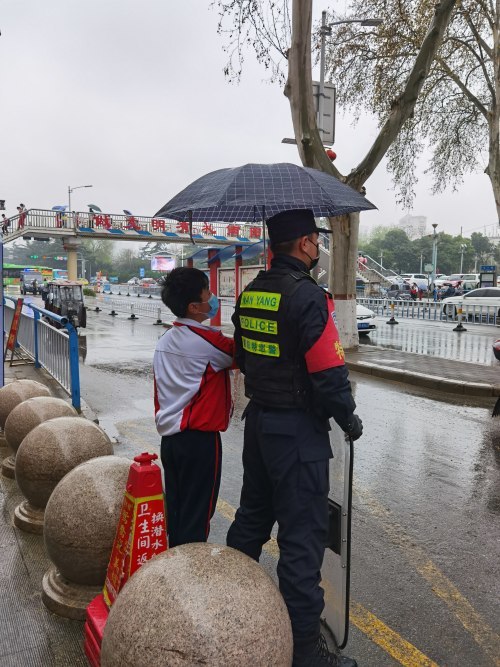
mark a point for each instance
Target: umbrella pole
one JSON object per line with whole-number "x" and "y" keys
{"x": 190, "y": 219}
{"x": 264, "y": 236}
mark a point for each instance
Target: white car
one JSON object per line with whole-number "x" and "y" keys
{"x": 133, "y": 281}
{"x": 365, "y": 318}
{"x": 440, "y": 279}
{"x": 469, "y": 281}
{"x": 475, "y": 301}
{"x": 420, "y": 279}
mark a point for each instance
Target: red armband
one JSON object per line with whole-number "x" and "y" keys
{"x": 327, "y": 351}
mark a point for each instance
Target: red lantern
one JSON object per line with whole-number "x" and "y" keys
{"x": 331, "y": 154}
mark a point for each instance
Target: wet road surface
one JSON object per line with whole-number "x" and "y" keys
{"x": 425, "y": 584}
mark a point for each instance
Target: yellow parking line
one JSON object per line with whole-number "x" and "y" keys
{"x": 379, "y": 633}
{"x": 461, "y": 608}
{"x": 397, "y": 647}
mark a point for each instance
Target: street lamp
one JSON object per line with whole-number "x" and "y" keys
{"x": 70, "y": 191}
{"x": 463, "y": 247}
{"x": 326, "y": 31}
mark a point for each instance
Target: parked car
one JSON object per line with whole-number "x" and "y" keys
{"x": 468, "y": 281}
{"x": 420, "y": 279}
{"x": 399, "y": 291}
{"x": 473, "y": 301}
{"x": 147, "y": 282}
{"x": 366, "y": 319}
{"x": 440, "y": 280}
{"x": 133, "y": 281}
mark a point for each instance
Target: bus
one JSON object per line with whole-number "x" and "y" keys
{"x": 59, "y": 274}
{"x": 12, "y": 272}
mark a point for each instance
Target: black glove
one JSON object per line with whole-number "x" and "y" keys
{"x": 355, "y": 427}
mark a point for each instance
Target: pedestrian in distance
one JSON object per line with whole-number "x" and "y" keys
{"x": 21, "y": 209}
{"x": 45, "y": 292}
{"x": 5, "y": 224}
{"x": 450, "y": 291}
{"x": 288, "y": 348}
{"x": 413, "y": 292}
{"x": 192, "y": 404}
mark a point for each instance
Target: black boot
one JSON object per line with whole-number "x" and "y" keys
{"x": 317, "y": 654}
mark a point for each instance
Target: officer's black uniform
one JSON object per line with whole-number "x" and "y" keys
{"x": 287, "y": 346}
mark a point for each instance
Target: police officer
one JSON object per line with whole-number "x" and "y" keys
{"x": 288, "y": 347}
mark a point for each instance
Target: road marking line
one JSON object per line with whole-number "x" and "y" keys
{"x": 129, "y": 430}
{"x": 379, "y": 633}
{"x": 397, "y": 647}
{"x": 461, "y": 608}
{"x": 471, "y": 620}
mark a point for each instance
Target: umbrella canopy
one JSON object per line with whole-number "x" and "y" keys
{"x": 255, "y": 191}
{"x": 127, "y": 212}
{"x": 61, "y": 209}
{"x": 95, "y": 208}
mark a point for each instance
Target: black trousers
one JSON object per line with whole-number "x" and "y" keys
{"x": 286, "y": 479}
{"x": 192, "y": 464}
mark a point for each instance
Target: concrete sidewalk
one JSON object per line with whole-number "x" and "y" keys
{"x": 457, "y": 377}
{"x": 30, "y": 636}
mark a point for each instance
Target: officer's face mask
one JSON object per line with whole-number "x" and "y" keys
{"x": 314, "y": 260}
{"x": 213, "y": 302}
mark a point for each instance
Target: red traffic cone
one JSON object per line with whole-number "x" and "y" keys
{"x": 141, "y": 534}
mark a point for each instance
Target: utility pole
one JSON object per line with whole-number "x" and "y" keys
{"x": 421, "y": 261}
{"x": 434, "y": 253}
{"x": 462, "y": 250}
{"x": 381, "y": 258}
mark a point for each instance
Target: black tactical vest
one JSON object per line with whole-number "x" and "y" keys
{"x": 275, "y": 373}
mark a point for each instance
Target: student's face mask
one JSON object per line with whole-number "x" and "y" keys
{"x": 213, "y": 302}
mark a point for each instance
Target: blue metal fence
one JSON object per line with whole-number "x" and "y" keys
{"x": 56, "y": 350}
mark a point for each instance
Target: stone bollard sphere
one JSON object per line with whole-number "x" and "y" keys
{"x": 32, "y": 412}
{"x": 81, "y": 518}
{"x": 198, "y": 604}
{"x": 16, "y": 392}
{"x": 11, "y": 396}
{"x": 46, "y": 454}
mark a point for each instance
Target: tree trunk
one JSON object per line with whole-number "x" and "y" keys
{"x": 342, "y": 275}
{"x": 343, "y": 270}
{"x": 493, "y": 169}
{"x": 298, "y": 89}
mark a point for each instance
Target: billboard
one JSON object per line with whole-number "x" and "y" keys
{"x": 162, "y": 263}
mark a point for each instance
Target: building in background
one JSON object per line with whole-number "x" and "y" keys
{"x": 415, "y": 226}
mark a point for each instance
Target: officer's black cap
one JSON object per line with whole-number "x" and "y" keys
{"x": 289, "y": 225}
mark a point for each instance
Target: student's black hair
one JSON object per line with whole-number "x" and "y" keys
{"x": 181, "y": 287}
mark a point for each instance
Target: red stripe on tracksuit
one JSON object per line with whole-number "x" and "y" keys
{"x": 211, "y": 508}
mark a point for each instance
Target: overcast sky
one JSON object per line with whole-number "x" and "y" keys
{"x": 130, "y": 96}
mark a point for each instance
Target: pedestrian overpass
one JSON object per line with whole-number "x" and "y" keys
{"x": 74, "y": 226}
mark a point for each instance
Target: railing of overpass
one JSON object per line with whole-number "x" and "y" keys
{"x": 56, "y": 350}
{"x": 143, "y": 226}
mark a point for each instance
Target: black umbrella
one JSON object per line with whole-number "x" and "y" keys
{"x": 258, "y": 191}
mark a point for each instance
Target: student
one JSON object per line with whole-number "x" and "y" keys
{"x": 192, "y": 404}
